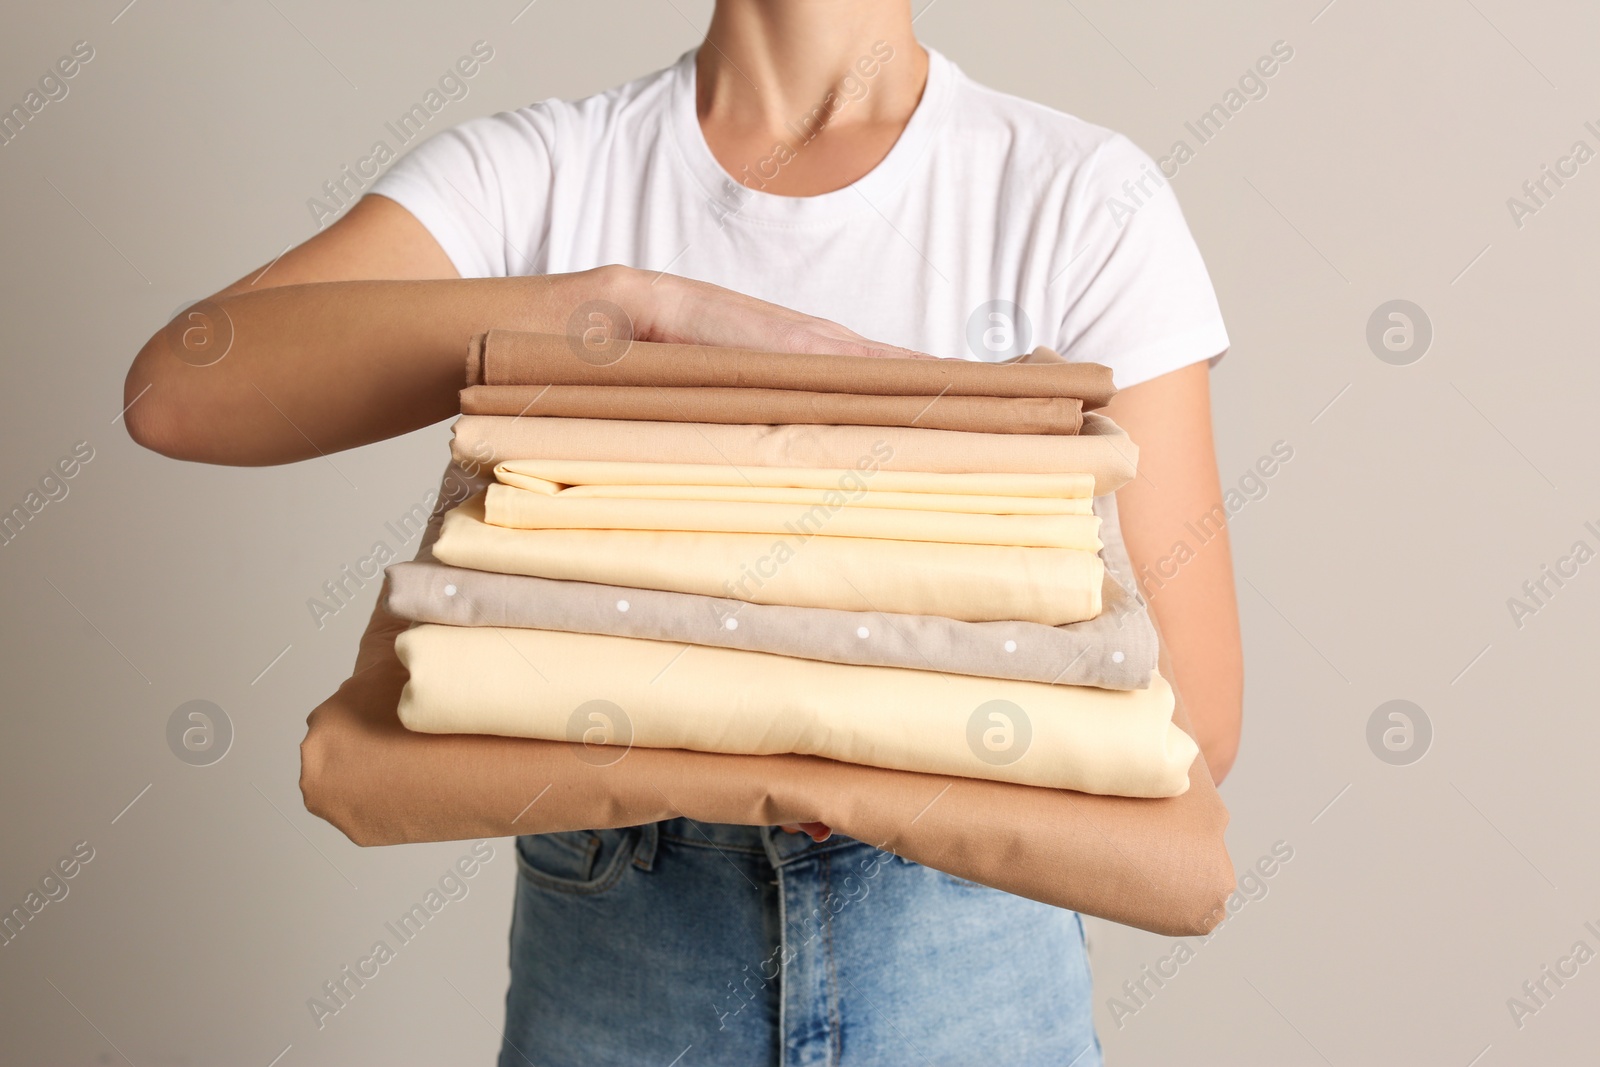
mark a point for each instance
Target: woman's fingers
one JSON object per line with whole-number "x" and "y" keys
{"x": 818, "y": 831}
{"x": 824, "y": 343}
{"x": 680, "y": 310}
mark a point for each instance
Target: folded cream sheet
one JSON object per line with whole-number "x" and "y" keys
{"x": 1114, "y": 650}
{"x": 524, "y": 509}
{"x": 623, "y": 691}
{"x": 1101, "y": 450}
{"x": 972, "y": 583}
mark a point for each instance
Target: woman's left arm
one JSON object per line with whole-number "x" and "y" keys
{"x": 1175, "y": 525}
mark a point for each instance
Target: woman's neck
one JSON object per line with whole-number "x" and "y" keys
{"x": 833, "y": 81}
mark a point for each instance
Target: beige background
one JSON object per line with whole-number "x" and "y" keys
{"x": 1378, "y": 566}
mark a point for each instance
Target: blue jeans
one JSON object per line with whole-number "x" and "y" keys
{"x": 683, "y": 943}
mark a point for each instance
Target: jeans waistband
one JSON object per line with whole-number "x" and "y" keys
{"x": 780, "y": 846}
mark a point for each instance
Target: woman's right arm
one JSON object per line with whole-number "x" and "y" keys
{"x": 360, "y": 334}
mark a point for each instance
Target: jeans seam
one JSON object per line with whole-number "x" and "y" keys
{"x": 835, "y": 1038}
{"x": 819, "y": 849}
{"x": 783, "y": 968}
{"x": 714, "y": 845}
{"x": 562, "y": 840}
{"x": 612, "y": 875}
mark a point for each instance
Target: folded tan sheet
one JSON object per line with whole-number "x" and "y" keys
{"x": 511, "y": 357}
{"x": 1161, "y": 865}
{"x": 981, "y": 414}
{"x": 972, "y": 583}
{"x": 1101, "y": 450}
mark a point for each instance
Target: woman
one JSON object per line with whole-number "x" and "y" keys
{"x": 813, "y": 155}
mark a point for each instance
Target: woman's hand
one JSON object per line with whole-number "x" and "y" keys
{"x": 359, "y": 334}
{"x": 665, "y": 307}
{"x": 819, "y": 831}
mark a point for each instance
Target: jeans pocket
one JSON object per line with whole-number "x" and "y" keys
{"x": 582, "y": 862}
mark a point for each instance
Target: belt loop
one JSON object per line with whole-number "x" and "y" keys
{"x": 644, "y": 853}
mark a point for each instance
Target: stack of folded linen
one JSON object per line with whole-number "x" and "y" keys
{"x": 908, "y": 564}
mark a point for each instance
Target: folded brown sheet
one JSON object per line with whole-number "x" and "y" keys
{"x": 511, "y": 357}
{"x": 978, "y": 414}
{"x": 1161, "y": 865}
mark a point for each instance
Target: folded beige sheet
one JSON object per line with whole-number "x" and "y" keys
{"x": 511, "y": 357}
{"x": 623, "y": 691}
{"x": 972, "y": 583}
{"x": 980, "y": 414}
{"x": 1102, "y": 450}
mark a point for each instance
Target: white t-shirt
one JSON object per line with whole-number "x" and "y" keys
{"x": 993, "y": 225}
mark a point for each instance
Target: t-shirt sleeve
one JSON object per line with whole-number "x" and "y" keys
{"x": 1139, "y": 297}
{"x": 482, "y": 189}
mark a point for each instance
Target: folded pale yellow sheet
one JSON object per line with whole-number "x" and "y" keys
{"x": 523, "y": 509}
{"x": 654, "y": 694}
{"x": 983, "y": 494}
{"x": 1102, "y": 450}
{"x": 760, "y": 494}
{"x": 972, "y": 583}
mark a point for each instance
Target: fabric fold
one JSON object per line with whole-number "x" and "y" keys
{"x": 1102, "y": 451}
{"x": 973, "y": 583}
{"x": 514, "y": 357}
{"x": 1114, "y": 650}
{"x": 621, "y": 691}
{"x": 525, "y": 509}
{"x": 979, "y": 414}
{"x": 996, "y": 494}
